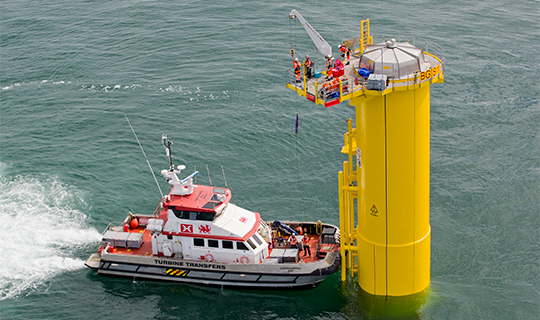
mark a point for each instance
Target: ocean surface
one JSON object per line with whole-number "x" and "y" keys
{"x": 211, "y": 75}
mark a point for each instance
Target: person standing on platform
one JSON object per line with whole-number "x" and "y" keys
{"x": 297, "y": 69}
{"x": 305, "y": 242}
{"x": 345, "y": 52}
{"x": 308, "y": 64}
{"x": 292, "y": 241}
{"x": 329, "y": 66}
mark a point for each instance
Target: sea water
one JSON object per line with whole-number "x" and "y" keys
{"x": 211, "y": 75}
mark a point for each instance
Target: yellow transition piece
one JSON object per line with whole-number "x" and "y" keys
{"x": 393, "y": 234}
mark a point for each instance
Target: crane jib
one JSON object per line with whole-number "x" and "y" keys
{"x": 322, "y": 46}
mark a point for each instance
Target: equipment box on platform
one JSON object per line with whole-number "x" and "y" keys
{"x": 121, "y": 239}
{"x": 277, "y": 254}
{"x": 376, "y": 82}
{"x": 134, "y": 240}
{"x": 290, "y": 255}
{"x": 110, "y": 237}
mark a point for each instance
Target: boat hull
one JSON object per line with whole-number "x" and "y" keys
{"x": 252, "y": 276}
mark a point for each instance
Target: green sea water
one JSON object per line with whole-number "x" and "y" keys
{"x": 211, "y": 75}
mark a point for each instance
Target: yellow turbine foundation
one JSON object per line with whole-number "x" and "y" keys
{"x": 393, "y": 233}
{"x": 384, "y": 195}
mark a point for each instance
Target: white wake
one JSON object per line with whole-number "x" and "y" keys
{"x": 41, "y": 227}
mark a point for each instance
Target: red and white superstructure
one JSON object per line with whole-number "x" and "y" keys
{"x": 204, "y": 216}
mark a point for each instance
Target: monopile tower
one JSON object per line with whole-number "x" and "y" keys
{"x": 384, "y": 192}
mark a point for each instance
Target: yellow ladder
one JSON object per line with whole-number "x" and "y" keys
{"x": 365, "y": 38}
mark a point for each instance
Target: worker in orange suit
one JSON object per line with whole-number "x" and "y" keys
{"x": 292, "y": 241}
{"x": 297, "y": 69}
{"x": 308, "y": 64}
{"x": 329, "y": 66}
{"x": 305, "y": 242}
{"x": 345, "y": 52}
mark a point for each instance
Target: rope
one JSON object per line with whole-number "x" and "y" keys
{"x": 292, "y": 33}
{"x": 208, "y": 172}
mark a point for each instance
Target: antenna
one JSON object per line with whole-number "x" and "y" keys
{"x": 149, "y": 166}
{"x": 167, "y": 145}
{"x": 223, "y": 171}
{"x": 208, "y": 171}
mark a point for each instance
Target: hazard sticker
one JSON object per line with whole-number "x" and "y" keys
{"x": 374, "y": 211}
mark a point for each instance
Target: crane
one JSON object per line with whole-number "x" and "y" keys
{"x": 322, "y": 46}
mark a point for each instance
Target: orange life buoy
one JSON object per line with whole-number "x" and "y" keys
{"x": 244, "y": 260}
{"x": 134, "y": 223}
{"x": 208, "y": 257}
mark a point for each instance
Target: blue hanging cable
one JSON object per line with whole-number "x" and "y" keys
{"x": 298, "y": 166}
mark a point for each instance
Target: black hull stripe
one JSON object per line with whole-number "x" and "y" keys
{"x": 134, "y": 269}
{"x": 245, "y": 285}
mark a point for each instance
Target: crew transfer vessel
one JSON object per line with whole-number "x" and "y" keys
{"x": 197, "y": 236}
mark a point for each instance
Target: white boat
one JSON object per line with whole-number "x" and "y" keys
{"x": 197, "y": 236}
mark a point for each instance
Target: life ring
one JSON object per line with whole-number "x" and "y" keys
{"x": 244, "y": 260}
{"x": 318, "y": 227}
{"x": 208, "y": 257}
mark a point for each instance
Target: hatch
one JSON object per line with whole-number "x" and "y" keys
{"x": 394, "y": 59}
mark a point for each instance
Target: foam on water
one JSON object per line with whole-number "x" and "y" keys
{"x": 192, "y": 94}
{"x": 41, "y": 229}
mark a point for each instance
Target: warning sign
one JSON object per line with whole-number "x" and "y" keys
{"x": 359, "y": 157}
{"x": 374, "y": 211}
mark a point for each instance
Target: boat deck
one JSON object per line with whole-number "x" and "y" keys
{"x": 146, "y": 247}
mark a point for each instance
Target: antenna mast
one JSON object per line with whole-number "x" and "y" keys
{"x": 149, "y": 166}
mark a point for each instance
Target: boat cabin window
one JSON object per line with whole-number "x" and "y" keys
{"x": 213, "y": 243}
{"x": 256, "y": 238}
{"x": 227, "y": 244}
{"x": 241, "y": 246}
{"x": 193, "y": 215}
{"x": 219, "y": 190}
{"x": 251, "y": 244}
{"x": 198, "y": 242}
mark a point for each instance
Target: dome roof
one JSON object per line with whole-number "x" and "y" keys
{"x": 396, "y": 60}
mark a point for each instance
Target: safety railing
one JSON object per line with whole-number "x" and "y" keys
{"x": 322, "y": 91}
{"x": 333, "y": 91}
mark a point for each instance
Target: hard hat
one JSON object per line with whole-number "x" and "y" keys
{"x": 295, "y": 59}
{"x": 307, "y": 56}
{"x": 339, "y": 47}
